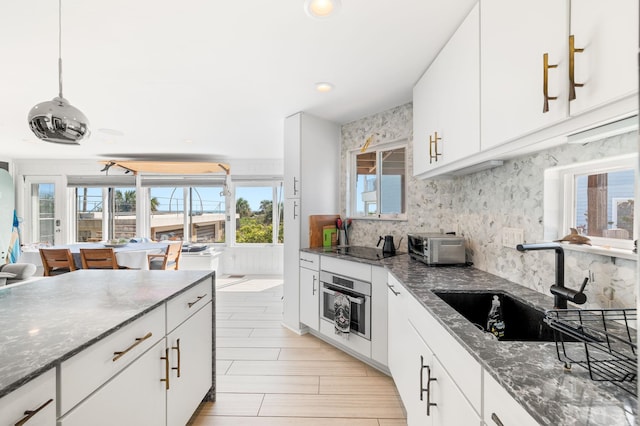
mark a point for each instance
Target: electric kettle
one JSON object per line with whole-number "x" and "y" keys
{"x": 388, "y": 246}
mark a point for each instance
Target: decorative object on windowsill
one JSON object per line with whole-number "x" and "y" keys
{"x": 57, "y": 120}
{"x": 574, "y": 238}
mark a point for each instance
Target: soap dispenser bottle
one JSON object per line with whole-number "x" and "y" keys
{"x": 495, "y": 322}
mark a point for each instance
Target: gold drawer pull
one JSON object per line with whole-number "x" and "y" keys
{"x": 545, "y": 82}
{"x": 190, "y": 304}
{"x": 118, "y": 355}
{"x": 166, "y": 368}
{"x": 30, "y": 413}
{"x": 177, "y": 348}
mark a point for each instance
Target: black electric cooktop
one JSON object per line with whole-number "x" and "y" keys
{"x": 369, "y": 253}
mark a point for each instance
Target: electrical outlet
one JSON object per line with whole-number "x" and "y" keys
{"x": 511, "y": 237}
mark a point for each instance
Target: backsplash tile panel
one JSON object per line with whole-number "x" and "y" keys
{"x": 481, "y": 204}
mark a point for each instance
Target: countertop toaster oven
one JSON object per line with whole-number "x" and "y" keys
{"x": 437, "y": 249}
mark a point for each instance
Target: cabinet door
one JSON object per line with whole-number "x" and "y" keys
{"x": 38, "y": 396}
{"x": 500, "y": 408}
{"x": 404, "y": 356}
{"x": 608, "y": 32}
{"x": 451, "y": 407}
{"x": 291, "y": 276}
{"x": 310, "y": 298}
{"x": 292, "y": 141}
{"x": 190, "y": 348}
{"x": 514, "y": 36}
{"x": 379, "y": 326}
{"x": 446, "y": 100}
{"x": 136, "y": 396}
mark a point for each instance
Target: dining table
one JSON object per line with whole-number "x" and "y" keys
{"x": 131, "y": 255}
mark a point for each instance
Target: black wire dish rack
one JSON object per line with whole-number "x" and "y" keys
{"x": 604, "y": 341}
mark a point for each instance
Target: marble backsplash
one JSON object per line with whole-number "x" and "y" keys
{"x": 479, "y": 205}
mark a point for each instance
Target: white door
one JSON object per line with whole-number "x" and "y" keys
{"x": 44, "y": 210}
{"x": 191, "y": 367}
{"x": 309, "y": 298}
{"x": 608, "y": 33}
{"x": 514, "y": 36}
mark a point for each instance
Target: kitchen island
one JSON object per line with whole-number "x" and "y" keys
{"x": 58, "y": 323}
{"x": 529, "y": 372}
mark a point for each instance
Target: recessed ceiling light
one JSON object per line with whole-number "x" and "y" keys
{"x": 321, "y": 8}
{"x": 324, "y": 87}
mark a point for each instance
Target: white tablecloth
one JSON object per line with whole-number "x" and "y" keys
{"x": 133, "y": 255}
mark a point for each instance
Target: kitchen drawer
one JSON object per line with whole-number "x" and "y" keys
{"x": 38, "y": 393}
{"x": 188, "y": 303}
{"x": 88, "y": 370}
{"x": 309, "y": 261}
{"x": 501, "y": 408}
{"x": 461, "y": 366}
{"x": 359, "y": 271}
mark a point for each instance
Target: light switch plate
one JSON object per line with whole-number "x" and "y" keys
{"x": 511, "y": 237}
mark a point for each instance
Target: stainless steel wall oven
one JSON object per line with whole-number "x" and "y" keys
{"x": 359, "y": 294}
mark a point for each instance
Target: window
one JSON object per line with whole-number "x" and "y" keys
{"x": 596, "y": 198}
{"x": 202, "y": 206}
{"x": 89, "y": 214}
{"x": 259, "y": 215}
{"x": 378, "y": 182}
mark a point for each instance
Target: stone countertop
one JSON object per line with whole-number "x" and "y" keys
{"x": 49, "y": 320}
{"x": 529, "y": 371}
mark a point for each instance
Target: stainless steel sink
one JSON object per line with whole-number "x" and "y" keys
{"x": 522, "y": 322}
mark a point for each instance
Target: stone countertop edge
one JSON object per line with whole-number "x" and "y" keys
{"x": 529, "y": 371}
{"x": 156, "y": 293}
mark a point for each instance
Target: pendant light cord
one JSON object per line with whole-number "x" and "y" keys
{"x": 60, "y": 48}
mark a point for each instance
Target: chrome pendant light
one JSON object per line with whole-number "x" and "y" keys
{"x": 57, "y": 120}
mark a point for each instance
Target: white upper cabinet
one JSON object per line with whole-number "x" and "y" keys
{"x": 292, "y": 129}
{"x": 608, "y": 65}
{"x": 446, "y": 102}
{"x": 514, "y": 36}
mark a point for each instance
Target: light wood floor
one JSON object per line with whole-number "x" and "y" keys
{"x": 268, "y": 375}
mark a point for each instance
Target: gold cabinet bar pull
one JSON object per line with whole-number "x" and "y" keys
{"x": 30, "y": 413}
{"x": 433, "y": 147}
{"x": 190, "y": 304}
{"x": 545, "y": 82}
{"x": 572, "y": 76}
{"x": 177, "y": 348}
{"x": 166, "y": 368}
{"x": 118, "y": 355}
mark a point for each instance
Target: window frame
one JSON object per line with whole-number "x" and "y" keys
{"x": 560, "y": 191}
{"x": 275, "y": 185}
{"x": 351, "y": 192}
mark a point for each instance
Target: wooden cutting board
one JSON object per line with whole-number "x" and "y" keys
{"x": 316, "y": 224}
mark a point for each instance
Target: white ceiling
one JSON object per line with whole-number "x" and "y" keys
{"x": 208, "y": 78}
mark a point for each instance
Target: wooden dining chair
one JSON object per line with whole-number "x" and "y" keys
{"x": 56, "y": 261}
{"x": 98, "y": 258}
{"x": 170, "y": 259}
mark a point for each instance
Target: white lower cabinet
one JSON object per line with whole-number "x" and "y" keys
{"x": 439, "y": 401}
{"x": 438, "y": 380}
{"x": 429, "y": 394}
{"x": 131, "y": 381}
{"x": 310, "y": 290}
{"x": 33, "y": 403}
{"x": 136, "y": 396}
{"x": 500, "y": 409}
{"x": 190, "y": 366}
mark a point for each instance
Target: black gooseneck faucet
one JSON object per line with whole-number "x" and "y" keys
{"x": 560, "y": 293}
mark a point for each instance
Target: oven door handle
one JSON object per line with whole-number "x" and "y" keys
{"x": 356, "y": 300}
